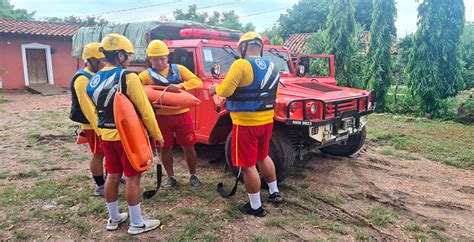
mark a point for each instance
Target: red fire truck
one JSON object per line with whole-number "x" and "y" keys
{"x": 312, "y": 112}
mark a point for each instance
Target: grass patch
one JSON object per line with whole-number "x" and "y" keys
{"x": 413, "y": 228}
{"x": 438, "y": 235}
{"x": 81, "y": 224}
{"x": 22, "y": 234}
{"x": 431, "y": 139}
{"x": 7, "y": 196}
{"x": 303, "y": 186}
{"x": 348, "y": 185}
{"x": 276, "y": 222}
{"x": 35, "y": 161}
{"x": 382, "y": 216}
{"x": 421, "y": 237}
{"x": 327, "y": 197}
{"x": 198, "y": 213}
{"x": 165, "y": 217}
{"x": 3, "y": 175}
{"x": 316, "y": 222}
{"x": 49, "y": 189}
{"x": 26, "y": 174}
{"x": 191, "y": 231}
{"x": 231, "y": 213}
{"x": 362, "y": 236}
{"x": 389, "y": 151}
{"x": 5, "y": 100}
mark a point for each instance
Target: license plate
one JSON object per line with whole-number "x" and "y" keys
{"x": 344, "y": 137}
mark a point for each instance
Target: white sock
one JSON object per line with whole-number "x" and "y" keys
{"x": 254, "y": 198}
{"x": 113, "y": 210}
{"x": 136, "y": 215}
{"x": 272, "y": 187}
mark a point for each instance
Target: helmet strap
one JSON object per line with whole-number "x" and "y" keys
{"x": 243, "y": 49}
{"x": 125, "y": 60}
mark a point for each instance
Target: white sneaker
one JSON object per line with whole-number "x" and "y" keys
{"x": 148, "y": 224}
{"x": 113, "y": 224}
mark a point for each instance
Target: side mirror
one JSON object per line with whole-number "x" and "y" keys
{"x": 216, "y": 70}
{"x": 303, "y": 66}
{"x": 301, "y": 72}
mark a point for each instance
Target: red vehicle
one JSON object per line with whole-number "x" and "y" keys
{"x": 311, "y": 112}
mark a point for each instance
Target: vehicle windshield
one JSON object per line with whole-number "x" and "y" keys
{"x": 223, "y": 57}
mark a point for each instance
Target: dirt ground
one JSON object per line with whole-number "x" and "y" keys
{"x": 325, "y": 198}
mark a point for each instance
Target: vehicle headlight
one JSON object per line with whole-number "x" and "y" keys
{"x": 313, "y": 108}
{"x": 293, "y": 107}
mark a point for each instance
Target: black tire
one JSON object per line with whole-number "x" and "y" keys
{"x": 280, "y": 151}
{"x": 352, "y": 146}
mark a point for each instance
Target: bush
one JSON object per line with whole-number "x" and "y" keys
{"x": 466, "y": 111}
{"x": 401, "y": 101}
{"x": 459, "y": 108}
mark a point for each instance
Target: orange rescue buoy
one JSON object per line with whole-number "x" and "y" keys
{"x": 133, "y": 134}
{"x": 162, "y": 98}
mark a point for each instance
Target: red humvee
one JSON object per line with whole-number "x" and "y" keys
{"x": 312, "y": 112}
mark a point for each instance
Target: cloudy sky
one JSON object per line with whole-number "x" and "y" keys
{"x": 262, "y": 13}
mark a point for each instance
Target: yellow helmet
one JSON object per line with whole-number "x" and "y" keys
{"x": 249, "y": 36}
{"x": 91, "y": 50}
{"x": 112, "y": 42}
{"x": 157, "y": 48}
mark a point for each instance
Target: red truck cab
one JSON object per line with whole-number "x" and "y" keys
{"x": 311, "y": 111}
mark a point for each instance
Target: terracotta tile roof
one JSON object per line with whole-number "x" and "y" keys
{"x": 14, "y": 26}
{"x": 296, "y": 42}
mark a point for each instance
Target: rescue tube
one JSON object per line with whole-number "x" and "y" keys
{"x": 81, "y": 138}
{"x": 162, "y": 98}
{"x": 132, "y": 133}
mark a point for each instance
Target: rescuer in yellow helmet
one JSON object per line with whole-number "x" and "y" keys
{"x": 101, "y": 90}
{"x": 175, "y": 124}
{"x": 251, "y": 88}
{"x": 83, "y": 111}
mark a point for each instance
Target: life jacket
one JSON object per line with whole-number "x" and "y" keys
{"x": 160, "y": 80}
{"x": 102, "y": 89}
{"x": 261, "y": 94}
{"x": 76, "y": 114}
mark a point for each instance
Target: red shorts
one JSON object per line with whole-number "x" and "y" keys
{"x": 178, "y": 126}
{"x": 250, "y": 144}
{"x": 95, "y": 143}
{"x": 116, "y": 160}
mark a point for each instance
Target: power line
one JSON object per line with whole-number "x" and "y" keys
{"x": 130, "y": 9}
{"x": 154, "y": 15}
{"x": 264, "y": 12}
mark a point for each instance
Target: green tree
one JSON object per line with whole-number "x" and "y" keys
{"x": 382, "y": 36}
{"x": 467, "y": 45}
{"x": 434, "y": 67}
{"x": 339, "y": 37}
{"x": 363, "y": 13}
{"x": 87, "y": 21}
{"x": 228, "y": 19}
{"x": 307, "y": 16}
{"x": 191, "y": 14}
{"x": 274, "y": 35}
{"x": 8, "y": 11}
